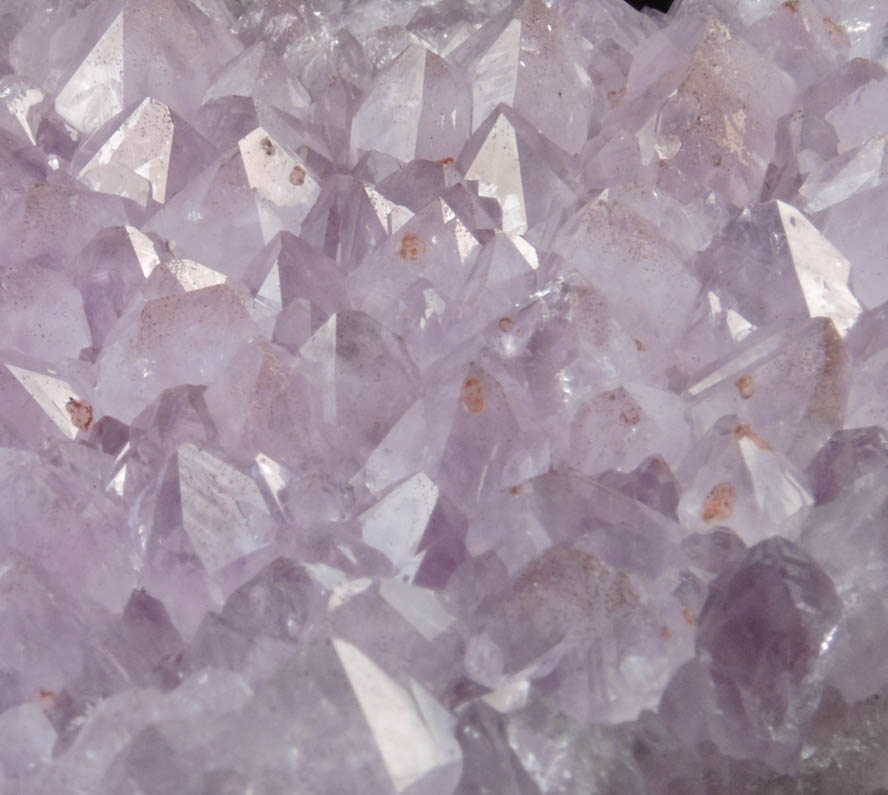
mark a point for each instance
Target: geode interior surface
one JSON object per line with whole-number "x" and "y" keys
{"x": 467, "y": 397}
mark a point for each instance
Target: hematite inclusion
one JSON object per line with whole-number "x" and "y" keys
{"x": 443, "y": 398}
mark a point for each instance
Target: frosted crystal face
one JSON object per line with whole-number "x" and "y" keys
{"x": 443, "y": 398}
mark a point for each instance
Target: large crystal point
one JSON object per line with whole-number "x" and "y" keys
{"x": 525, "y": 58}
{"x": 238, "y": 204}
{"x": 578, "y": 623}
{"x": 364, "y": 378}
{"x": 119, "y": 54}
{"x": 790, "y": 386}
{"x": 848, "y": 456}
{"x": 418, "y": 107}
{"x": 138, "y": 361}
{"x": 789, "y": 270}
{"x": 625, "y": 257}
{"x": 151, "y": 155}
{"x": 764, "y": 664}
{"x": 257, "y": 73}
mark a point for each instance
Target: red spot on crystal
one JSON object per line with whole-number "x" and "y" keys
{"x": 80, "y": 412}
{"x": 413, "y": 247}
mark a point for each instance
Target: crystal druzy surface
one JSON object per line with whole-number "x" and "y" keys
{"x": 443, "y": 398}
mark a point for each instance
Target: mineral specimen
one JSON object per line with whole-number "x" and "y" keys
{"x": 443, "y": 397}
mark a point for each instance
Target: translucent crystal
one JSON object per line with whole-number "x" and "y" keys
{"x": 469, "y": 397}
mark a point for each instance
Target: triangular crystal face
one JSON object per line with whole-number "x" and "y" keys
{"x": 122, "y": 55}
{"x": 714, "y": 130}
{"x": 525, "y": 58}
{"x": 789, "y": 269}
{"x": 136, "y": 362}
{"x": 60, "y": 401}
{"x": 361, "y": 401}
{"x": 289, "y": 269}
{"x": 257, "y": 73}
{"x": 50, "y": 224}
{"x": 22, "y": 107}
{"x": 214, "y": 494}
{"x": 789, "y": 386}
{"x": 152, "y": 148}
{"x": 625, "y": 257}
{"x": 238, "y": 204}
{"x": 519, "y": 169}
{"x": 418, "y": 108}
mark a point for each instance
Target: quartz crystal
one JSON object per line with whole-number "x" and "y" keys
{"x": 443, "y": 397}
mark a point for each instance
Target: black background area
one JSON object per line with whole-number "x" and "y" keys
{"x": 659, "y": 5}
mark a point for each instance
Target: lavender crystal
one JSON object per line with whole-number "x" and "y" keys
{"x": 469, "y": 397}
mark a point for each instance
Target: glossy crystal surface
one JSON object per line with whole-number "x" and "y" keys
{"x": 468, "y": 397}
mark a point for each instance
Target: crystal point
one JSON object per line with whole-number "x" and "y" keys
{"x": 443, "y": 397}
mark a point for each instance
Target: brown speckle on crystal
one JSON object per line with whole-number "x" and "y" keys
{"x": 80, "y": 412}
{"x": 835, "y": 30}
{"x": 473, "y": 399}
{"x": 630, "y": 415}
{"x": 267, "y": 146}
{"x": 506, "y": 324}
{"x": 744, "y": 431}
{"x": 413, "y": 247}
{"x": 297, "y": 176}
{"x": 719, "y": 503}
{"x": 745, "y": 386}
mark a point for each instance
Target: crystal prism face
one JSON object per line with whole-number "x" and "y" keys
{"x": 443, "y": 398}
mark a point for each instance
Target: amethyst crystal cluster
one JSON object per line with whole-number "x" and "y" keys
{"x": 443, "y": 398}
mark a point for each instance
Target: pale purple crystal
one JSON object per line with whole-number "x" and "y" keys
{"x": 469, "y": 397}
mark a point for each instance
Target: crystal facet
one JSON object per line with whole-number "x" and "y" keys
{"x": 443, "y": 397}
